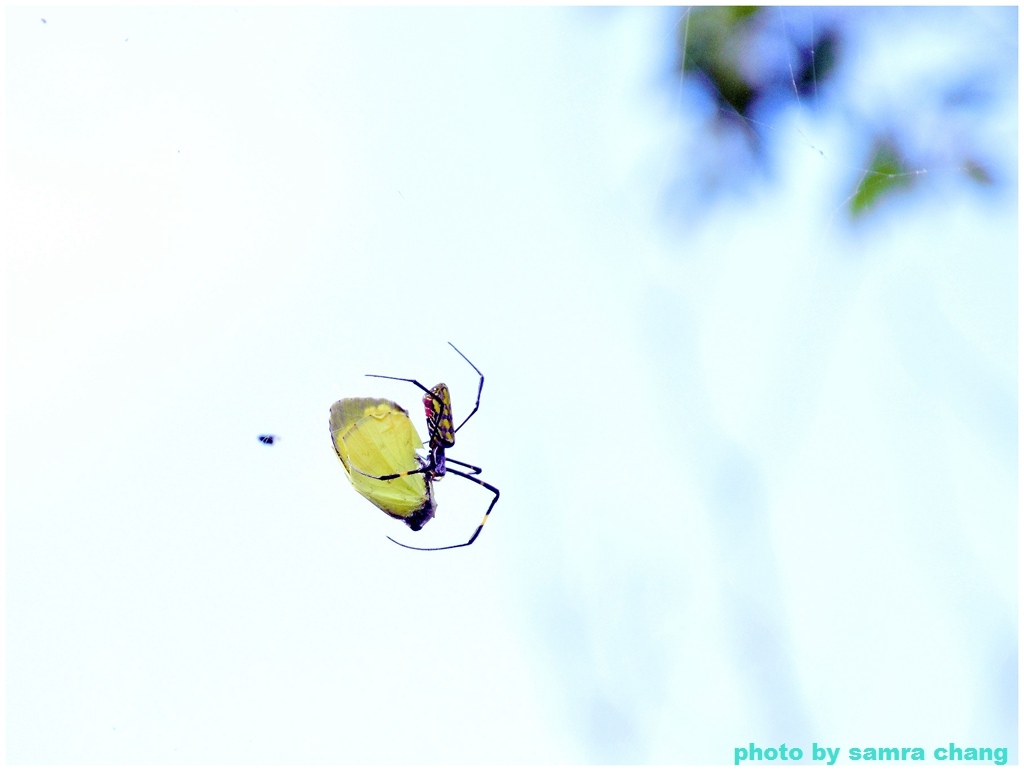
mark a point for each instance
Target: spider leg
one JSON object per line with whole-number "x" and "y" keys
{"x": 386, "y": 477}
{"x": 480, "y": 527}
{"x": 476, "y": 469}
{"x": 479, "y": 390}
{"x": 427, "y": 468}
{"x": 416, "y": 383}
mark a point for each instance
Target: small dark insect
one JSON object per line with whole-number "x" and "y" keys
{"x": 267, "y": 438}
{"x": 43, "y": 21}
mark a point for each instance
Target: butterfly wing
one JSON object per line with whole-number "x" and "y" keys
{"x": 376, "y": 437}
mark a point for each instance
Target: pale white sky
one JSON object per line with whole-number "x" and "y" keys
{"x": 757, "y": 471}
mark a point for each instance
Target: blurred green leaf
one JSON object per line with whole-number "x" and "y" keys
{"x": 818, "y": 61}
{"x": 886, "y": 173}
{"x": 978, "y": 173}
{"x": 708, "y": 42}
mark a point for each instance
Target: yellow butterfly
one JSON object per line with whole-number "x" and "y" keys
{"x": 374, "y": 438}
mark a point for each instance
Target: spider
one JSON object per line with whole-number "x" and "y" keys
{"x": 378, "y": 435}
